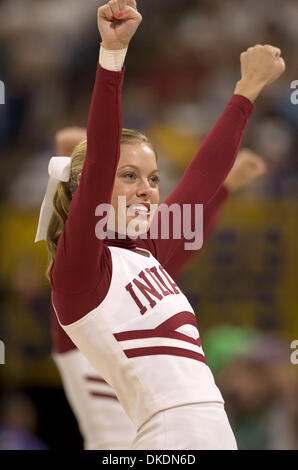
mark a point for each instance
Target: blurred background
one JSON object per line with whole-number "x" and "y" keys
{"x": 181, "y": 70}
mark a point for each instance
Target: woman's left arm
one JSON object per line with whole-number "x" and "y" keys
{"x": 212, "y": 210}
{"x": 260, "y": 66}
{"x": 201, "y": 181}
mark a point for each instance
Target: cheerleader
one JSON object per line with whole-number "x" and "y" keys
{"x": 114, "y": 298}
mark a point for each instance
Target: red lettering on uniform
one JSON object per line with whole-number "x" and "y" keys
{"x": 171, "y": 282}
{"x": 159, "y": 281}
{"x": 142, "y": 307}
{"x": 147, "y": 289}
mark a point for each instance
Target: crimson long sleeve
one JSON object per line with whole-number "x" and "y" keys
{"x": 81, "y": 272}
{"x": 80, "y": 254}
{"x": 206, "y": 173}
{"x": 182, "y": 257}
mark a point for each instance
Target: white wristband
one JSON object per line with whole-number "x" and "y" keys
{"x": 112, "y": 60}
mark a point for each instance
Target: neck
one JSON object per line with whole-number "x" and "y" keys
{"x": 120, "y": 240}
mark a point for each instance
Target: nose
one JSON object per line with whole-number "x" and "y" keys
{"x": 144, "y": 189}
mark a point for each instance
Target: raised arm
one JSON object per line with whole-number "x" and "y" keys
{"x": 248, "y": 167}
{"x": 181, "y": 257}
{"x": 67, "y": 138}
{"x": 260, "y": 66}
{"x": 80, "y": 254}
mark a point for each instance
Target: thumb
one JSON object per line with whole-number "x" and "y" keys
{"x": 130, "y": 13}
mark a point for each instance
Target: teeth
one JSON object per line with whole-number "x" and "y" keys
{"x": 139, "y": 207}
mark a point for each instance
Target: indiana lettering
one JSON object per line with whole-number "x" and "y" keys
{"x": 146, "y": 285}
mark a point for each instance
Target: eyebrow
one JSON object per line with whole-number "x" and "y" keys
{"x": 136, "y": 168}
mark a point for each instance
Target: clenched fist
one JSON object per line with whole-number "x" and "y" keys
{"x": 118, "y": 21}
{"x": 260, "y": 66}
{"x": 247, "y": 168}
{"x": 68, "y": 138}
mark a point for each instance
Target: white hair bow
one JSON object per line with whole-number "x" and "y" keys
{"x": 59, "y": 170}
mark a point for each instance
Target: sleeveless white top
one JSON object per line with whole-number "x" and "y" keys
{"x": 144, "y": 341}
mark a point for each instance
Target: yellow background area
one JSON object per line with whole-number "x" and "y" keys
{"x": 18, "y": 231}
{"x": 26, "y": 334}
{"x": 179, "y": 146}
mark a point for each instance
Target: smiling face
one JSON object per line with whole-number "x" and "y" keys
{"x": 137, "y": 179}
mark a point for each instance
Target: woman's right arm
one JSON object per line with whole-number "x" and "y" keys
{"x": 80, "y": 257}
{"x": 212, "y": 210}
{"x": 260, "y": 66}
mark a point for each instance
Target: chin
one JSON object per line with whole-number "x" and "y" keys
{"x": 136, "y": 228}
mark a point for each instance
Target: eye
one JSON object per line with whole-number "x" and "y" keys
{"x": 154, "y": 180}
{"x": 129, "y": 176}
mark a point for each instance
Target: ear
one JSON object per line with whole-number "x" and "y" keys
{"x": 79, "y": 178}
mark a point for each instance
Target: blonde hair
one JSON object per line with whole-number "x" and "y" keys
{"x": 66, "y": 190}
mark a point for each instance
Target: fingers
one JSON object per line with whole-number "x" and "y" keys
{"x": 258, "y": 167}
{"x": 119, "y": 10}
{"x": 275, "y": 51}
{"x": 257, "y": 46}
{"x": 70, "y": 131}
{"x": 282, "y": 64}
{"x": 257, "y": 164}
{"x": 122, "y": 4}
{"x": 251, "y": 162}
{"x": 263, "y": 167}
{"x": 105, "y": 12}
{"x": 117, "y": 7}
{"x": 113, "y": 9}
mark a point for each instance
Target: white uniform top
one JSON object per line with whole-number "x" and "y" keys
{"x": 143, "y": 339}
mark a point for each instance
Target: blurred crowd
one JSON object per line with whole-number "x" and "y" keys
{"x": 181, "y": 70}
